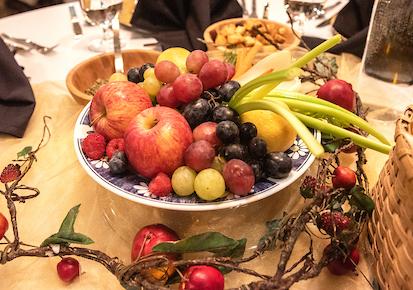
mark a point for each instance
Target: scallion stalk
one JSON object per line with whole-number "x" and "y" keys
{"x": 275, "y": 106}
{"x": 341, "y": 116}
{"x": 343, "y": 133}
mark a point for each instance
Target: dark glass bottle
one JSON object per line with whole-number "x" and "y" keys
{"x": 389, "y": 51}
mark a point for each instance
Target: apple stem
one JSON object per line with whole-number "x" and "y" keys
{"x": 146, "y": 238}
{"x": 97, "y": 119}
{"x": 180, "y": 273}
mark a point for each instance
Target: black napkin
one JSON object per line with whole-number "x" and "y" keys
{"x": 16, "y": 95}
{"x": 353, "y": 23}
{"x": 181, "y": 22}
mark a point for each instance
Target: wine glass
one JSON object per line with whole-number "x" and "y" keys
{"x": 101, "y": 12}
{"x": 303, "y": 10}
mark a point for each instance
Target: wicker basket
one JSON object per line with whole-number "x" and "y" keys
{"x": 391, "y": 228}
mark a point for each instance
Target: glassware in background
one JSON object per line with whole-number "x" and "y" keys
{"x": 385, "y": 83}
{"x": 101, "y": 12}
{"x": 304, "y": 10}
{"x": 389, "y": 49}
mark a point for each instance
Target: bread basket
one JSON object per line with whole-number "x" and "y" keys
{"x": 391, "y": 227}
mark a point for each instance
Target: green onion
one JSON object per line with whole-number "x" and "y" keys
{"x": 313, "y": 145}
{"x": 357, "y": 139}
{"x": 340, "y": 115}
{"x": 259, "y": 94}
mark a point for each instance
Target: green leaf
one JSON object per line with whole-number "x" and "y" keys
{"x": 234, "y": 252}
{"x": 66, "y": 234}
{"x": 26, "y": 150}
{"x": 361, "y": 200}
{"x": 67, "y": 225}
{"x": 73, "y": 238}
{"x": 213, "y": 242}
{"x": 330, "y": 143}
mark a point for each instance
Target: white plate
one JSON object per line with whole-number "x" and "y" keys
{"x": 135, "y": 187}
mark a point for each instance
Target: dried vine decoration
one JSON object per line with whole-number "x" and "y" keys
{"x": 281, "y": 234}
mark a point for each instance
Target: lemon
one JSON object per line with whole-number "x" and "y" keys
{"x": 177, "y": 55}
{"x": 274, "y": 129}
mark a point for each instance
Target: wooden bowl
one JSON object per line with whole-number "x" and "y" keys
{"x": 84, "y": 75}
{"x": 291, "y": 40}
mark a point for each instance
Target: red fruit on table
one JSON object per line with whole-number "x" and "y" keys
{"x": 114, "y": 145}
{"x": 343, "y": 265}
{"x": 338, "y": 92}
{"x": 239, "y": 177}
{"x": 195, "y": 60}
{"x": 156, "y": 140}
{"x": 68, "y": 269}
{"x": 160, "y": 185}
{"x": 166, "y": 71}
{"x": 207, "y": 131}
{"x": 187, "y": 88}
{"x": 148, "y": 237}
{"x": 202, "y": 277}
{"x": 344, "y": 177}
{"x": 165, "y": 97}
{"x": 213, "y": 74}
{"x": 4, "y": 225}
{"x": 115, "y": 105}
{"x": 199, "y": 155}
{"x": 333, "y": 222}
{"x": 94, "y": 146}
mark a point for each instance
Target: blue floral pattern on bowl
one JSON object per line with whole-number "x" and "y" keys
{"x": 135, "y": 187}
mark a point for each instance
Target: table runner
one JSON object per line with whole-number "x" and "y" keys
{"x": 63, "y": 184}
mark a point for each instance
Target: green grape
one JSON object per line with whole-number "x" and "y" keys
{"x": 149, "y": 73}
{"x": 151, "y": 86}
{"x": 209, "y": 184}
{"x": 183, "y": 180}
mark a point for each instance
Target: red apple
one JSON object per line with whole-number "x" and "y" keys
{"x": 338, "y": 92}
{"x": 207, "y": 131}
{"x": 202, "y": 277}
{"x": 68, "y": 269}
{"x": 156, "y": 140}
{"x": 115, "y": 105}
{"x": 342, "y": 265}
{"x": 4, "y": 225}
{"x": 147, "y": 238}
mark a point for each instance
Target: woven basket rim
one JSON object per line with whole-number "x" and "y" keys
{"x": 404, "y": 142}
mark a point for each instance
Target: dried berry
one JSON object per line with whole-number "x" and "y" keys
{"x": 10, "y": 173}
{"x": 333, "y": 222}
{"x": 308, "y": 187}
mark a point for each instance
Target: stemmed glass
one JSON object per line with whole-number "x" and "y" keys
{"x": 101, "y": 12}
{"x": 303, "y": 10}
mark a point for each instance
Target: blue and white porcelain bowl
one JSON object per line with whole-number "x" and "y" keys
{"x": 135, "y": 187}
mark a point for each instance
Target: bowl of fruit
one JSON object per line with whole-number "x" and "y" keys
{"x": 185, "y": 133}
{"x": 166, "y": 137}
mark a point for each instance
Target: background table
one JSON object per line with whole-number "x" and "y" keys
{"x": 63, "y": 183}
